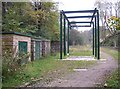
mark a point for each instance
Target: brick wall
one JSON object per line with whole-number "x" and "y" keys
{"x": 55, "y": 46}
{"x": 33, "y": 48}
{"x": 11, "y": 41}
{"x": 7, "y": 42}
{"x": 17, "y": 38}
{"x": 45, "y": 48}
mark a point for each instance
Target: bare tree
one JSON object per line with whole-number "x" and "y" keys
{"x": 116, "y": 7}
{"x": 108, "y": 9}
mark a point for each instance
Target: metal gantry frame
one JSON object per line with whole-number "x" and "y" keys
{"x": 94, "y": 23}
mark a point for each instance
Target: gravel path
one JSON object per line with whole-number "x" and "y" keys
{"x": 91, "y": 77}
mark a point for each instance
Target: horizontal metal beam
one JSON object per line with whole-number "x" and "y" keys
{"x": 95, "y": 11}
{"x": 79, "y": 17}
{"x": 82, "y": 11}
{"x": 81, "y": 26}
{"x": 80, "y": 22}
{"x": 65, "y": 16}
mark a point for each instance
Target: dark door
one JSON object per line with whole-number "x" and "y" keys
{"x": 37, "y": 50}
{"x": 22, "y": 47}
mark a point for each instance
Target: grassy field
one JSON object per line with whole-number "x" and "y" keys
{"x": 113, "y": 80}
{"x": 80, "y": 51}
{"x": 49, "y": 67}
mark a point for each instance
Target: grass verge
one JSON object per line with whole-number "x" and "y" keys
{"x": 113, "y": 80}
{"x": 112, "y": 52}
{"x": 40, "y": 69}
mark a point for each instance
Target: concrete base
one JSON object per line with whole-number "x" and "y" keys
{"x": 87, "y": 58}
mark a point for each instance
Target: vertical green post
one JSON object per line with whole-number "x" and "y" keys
{"x": 93, "y": 37}
{"x": 64, "y": 36}
{"x": 60, "y": 35}
{"x": 68, "y": 38}
{"x": 98, "y": 37}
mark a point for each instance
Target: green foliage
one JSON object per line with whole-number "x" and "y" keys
{"x": 109, "y": 41}
{"x": 39, "y": 19}
{"x": 113, "y": 80}
{"x": 75, "y": 38}
{"x": 11, "y": 64}
{"x": 17, "y": 18}
{"x": 47, "y": 17}
{"x": 40, "y": 69}
{"x": 114, "y": 22}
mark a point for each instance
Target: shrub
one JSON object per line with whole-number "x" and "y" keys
{"x": 11, "y": 63}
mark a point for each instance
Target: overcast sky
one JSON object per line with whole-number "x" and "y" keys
{"x": 72, "y": 5}
{"x": 76, "y": 4}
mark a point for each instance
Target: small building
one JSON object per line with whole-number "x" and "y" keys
{"x": 36, "y": 48}
{"x": 18, "y": 44}
{"x": 55, "y": 46}
{"x": 40, "y": 47}
{"x": 45, "y": 47}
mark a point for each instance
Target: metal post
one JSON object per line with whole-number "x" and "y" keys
{"x": 60, "y": 35}
{"x": 64, "y": 36}
{"x": 98, "y": 37}
{"x": 68, "y": 39}
{"x": 95, "y": 38}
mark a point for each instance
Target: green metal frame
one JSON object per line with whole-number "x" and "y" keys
{"x": 94, "y": 23}
{"x": 64, "y": 36}
{"x": 60, "y": 35}
{"x": 93, "y": 39}
{"x": 68, "y": 37}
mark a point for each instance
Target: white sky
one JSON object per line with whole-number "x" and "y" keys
{"x": 73, "y": 5}
{"x": 76, "y": 4}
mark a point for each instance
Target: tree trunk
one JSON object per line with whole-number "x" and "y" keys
{"x": 115, "y": 43}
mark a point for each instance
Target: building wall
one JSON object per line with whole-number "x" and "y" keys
{"x": 48, "y": 47}
{"x": 11, "y": 41}
{"x": 45, "y": 48}
{"x": 33, "y": 49}
{"x": 17, "y": 38}
{"x": 7, "y": 42}
{"x": 55, "y": 46}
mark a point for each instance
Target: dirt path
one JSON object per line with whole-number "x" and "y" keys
{"x": 93, "y": 76}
